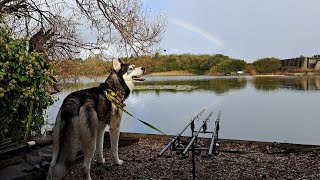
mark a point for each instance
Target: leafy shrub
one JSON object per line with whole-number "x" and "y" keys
{"x": 195, "y": 71}
{"x": 23, "y": 81}
{"x": 229, "y": 66}
{"x": 267, "y": 65}
{"x": 250, "y": 69}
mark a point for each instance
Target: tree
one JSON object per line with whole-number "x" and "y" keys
{"x": 267, "y": 65}
{"x": 59, "y": 27}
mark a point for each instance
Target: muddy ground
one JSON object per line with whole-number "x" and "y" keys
{"x": 236, "y": 161}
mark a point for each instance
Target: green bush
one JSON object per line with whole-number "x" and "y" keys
{"x": 267, "y": 65}
{"x": 195, "y": 71}
{"x": 23, "y": 81}
{"x": 229, "y": 65}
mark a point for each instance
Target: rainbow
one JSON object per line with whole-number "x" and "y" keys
{"x": 193, "y": 28}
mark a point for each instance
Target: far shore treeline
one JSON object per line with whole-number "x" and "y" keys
{"x": 181, "y": 64}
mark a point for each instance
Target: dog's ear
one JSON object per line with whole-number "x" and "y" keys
{"x": 116, "y": 64}
{"x": 120, "y": 61}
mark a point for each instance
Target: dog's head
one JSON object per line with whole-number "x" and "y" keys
{"x": 128, "y": 72}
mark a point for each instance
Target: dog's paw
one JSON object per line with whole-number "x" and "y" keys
{"x": 118, "y": 162}
{"x": 101, "y": 160}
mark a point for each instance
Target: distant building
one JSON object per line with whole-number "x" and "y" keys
{"x": 302, "y": 62}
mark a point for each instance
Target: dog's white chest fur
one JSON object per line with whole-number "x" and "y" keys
{"x": 130, "y": 85}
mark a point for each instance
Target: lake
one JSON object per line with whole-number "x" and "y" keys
{"x": 276, "y": 109}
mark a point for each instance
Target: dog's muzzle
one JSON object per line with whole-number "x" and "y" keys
{"x": 140, "y": 78}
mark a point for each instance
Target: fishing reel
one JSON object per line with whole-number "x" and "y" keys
{"x": 216, "y": 149}
{"x": 179, "y": 148}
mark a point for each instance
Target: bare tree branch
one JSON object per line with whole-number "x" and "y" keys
{"x": 62, "y": 28}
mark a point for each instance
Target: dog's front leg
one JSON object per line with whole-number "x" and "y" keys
{"x": 114, "y": 135}
{"x": 100, "y": 139}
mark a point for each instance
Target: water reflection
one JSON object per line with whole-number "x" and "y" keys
{"x": 307, "y": 83}
{"x": 217, "y": 85}
{"x": 266, "y": 83}
{"x": 302, "y": 83}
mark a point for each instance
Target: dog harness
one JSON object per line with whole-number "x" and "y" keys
{"x": 115, "y": 97}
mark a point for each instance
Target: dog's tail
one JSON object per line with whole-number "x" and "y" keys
{"x": 64, "y": 146}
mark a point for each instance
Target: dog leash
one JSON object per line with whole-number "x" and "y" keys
{"x": 117, "y": 99}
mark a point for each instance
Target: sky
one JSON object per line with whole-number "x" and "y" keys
{"x": 242, "y": 29}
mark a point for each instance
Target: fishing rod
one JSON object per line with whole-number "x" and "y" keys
{"x": 196, "y": 135}
{"x": 177, "y": 137}
{"x": 193, "y": 145}
{"x": 214, "y": 145}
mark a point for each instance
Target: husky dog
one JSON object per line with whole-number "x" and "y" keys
{"x": 82, "y": 119}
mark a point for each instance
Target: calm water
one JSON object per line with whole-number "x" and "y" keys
{"x": 280, "y": 109}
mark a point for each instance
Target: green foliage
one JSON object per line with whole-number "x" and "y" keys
{"x": 267, "y": 65}
{"x": 229, "y": 65}
{"x": 197, "y": 64}
{"x": 23, "y": 81}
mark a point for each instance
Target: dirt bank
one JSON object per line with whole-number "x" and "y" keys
{"x": 268, "y": 161}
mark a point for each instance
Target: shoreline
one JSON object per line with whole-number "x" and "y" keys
{"x": 269, "y": 75}
{"x": 186, "y": 73}
{"x": 171, "y": 73}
